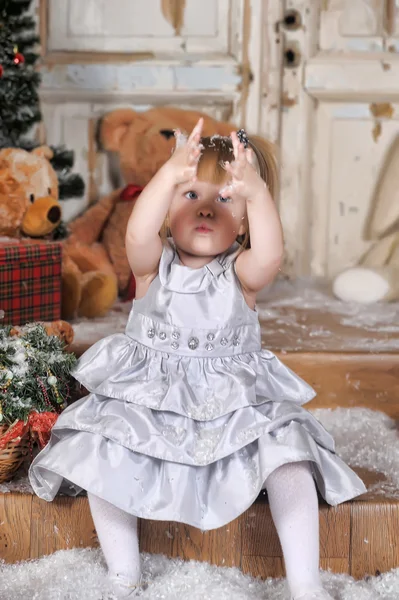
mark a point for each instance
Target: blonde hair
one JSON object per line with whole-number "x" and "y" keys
{"x": 216, "y": 150}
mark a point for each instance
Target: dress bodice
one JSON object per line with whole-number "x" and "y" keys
{"x": 195, "y": 312}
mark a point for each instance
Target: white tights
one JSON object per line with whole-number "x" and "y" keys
{"x": 295, "y": 510}
{"x": 294, "y": 507}
{"x": 117, "y": 534}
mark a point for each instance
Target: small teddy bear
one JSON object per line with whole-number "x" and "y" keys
{"x": 29, "y": 207}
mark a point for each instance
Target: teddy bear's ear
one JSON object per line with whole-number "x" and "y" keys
{"x": 113, "y": 126}
{"x": 43, "y": 152}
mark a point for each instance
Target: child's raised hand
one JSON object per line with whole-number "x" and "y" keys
{"x": 184, "y": 160}
{"x": 244, "y": 180}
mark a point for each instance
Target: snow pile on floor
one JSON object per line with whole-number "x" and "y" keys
{"x": 368, "y": 439}
{"x": 80, "y": 575}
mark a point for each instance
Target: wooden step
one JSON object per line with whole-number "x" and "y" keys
{"x": 358, "y": 537}
{"x": 349, "y": 379}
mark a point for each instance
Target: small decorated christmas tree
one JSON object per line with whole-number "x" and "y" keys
{"x": 19, "y": 81}
{"x": 34, "y": 381}
{"x": 19, "y": 85}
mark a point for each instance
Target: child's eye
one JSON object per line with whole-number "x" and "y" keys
{"x": 191, "y": 195}
{"x": 223, "y": 199}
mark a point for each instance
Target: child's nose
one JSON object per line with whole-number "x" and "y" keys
{"x": 205, "y": 212}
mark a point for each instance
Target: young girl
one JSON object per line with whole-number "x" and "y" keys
{"x": 188, "y": 419}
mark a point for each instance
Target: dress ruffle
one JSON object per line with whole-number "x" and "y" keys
{"x": 179, "y": 439}
{"x": 200, "y": 389}
{"x": 207, "y": 496}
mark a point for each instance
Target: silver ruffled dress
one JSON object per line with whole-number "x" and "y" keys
{"x": 187, "y": 415}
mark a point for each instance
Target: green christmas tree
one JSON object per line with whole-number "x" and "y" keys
{"x": 19, "y": 85}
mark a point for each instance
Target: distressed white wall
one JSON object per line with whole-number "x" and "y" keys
{"x": 339, "y": 118}
{"x": 209, "y": 56}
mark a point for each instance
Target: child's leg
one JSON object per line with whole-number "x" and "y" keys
{"x": 117, "y": 533}
{"x": 294, "y": 506}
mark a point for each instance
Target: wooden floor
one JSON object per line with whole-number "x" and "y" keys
{"x": 358, "y": 537}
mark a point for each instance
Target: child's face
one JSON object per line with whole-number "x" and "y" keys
{"x": 203, "y": 223}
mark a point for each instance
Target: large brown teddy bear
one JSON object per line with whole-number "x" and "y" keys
{"x": 29, "y": 206}
{"x": 143, "y": 142}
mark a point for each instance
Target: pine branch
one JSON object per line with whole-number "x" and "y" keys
{"x": 34, "y": 373}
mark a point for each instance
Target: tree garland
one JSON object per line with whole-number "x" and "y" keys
{"x": 34, "y": 373}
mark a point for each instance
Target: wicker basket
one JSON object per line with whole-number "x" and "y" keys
{"x": 13, "y": 455}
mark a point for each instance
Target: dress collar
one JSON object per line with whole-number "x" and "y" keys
{"x": 179, "y": 278}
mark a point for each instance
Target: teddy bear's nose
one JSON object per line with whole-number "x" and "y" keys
{"x": 54, "y": 214}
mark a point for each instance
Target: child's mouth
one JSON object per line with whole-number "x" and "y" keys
{"x": 203, "y": 229}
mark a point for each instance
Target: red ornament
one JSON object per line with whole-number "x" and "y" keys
{"x": 19, "y": 58}
{"x": 1, "y": 70}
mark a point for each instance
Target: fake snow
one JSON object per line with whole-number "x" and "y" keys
{"x": 295, "y": 315}
{"x": 368, "y": 439}
{"x": 303, "y": 315}
{"x": 89, "y": 331}
{"x": 80, "y": 574}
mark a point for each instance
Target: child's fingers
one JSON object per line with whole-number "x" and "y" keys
{"x": 233, "y": 171}
{"x": 193, "y": 156}
{"x": 236, "y": 169}
{"x": 235, "y": 142}
{"x": 181, "y": 138}
{"x": 227, "y": 166}
{"x": 196, "y": 132}
{"x": 250, "y": 156}
{"x": 241, "y": 156}
{"x": 226, "y": 190}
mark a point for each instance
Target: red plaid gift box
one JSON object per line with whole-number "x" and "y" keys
{"x": 30, "y": 281}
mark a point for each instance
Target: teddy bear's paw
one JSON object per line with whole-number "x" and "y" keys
{"x": 99, "y": 293}
{"x": 71, "y": 294}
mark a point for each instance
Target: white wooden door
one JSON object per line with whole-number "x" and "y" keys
{"x": 339, "y": 118}
{"x": 98, "y": 55}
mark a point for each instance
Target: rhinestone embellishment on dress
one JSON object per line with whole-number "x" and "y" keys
{"x": 210, "y": 337}
{"x": 162, "y": 335}
{"x": 151, "y": 333}
{"x": 193, "y": 343}
{"x": 175, "y": 335}
{"x": 209, "y": 347}
{"x": 236, "y": 340}
{"x": 224, "y": 341}
{"x": 174, "y": 345}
